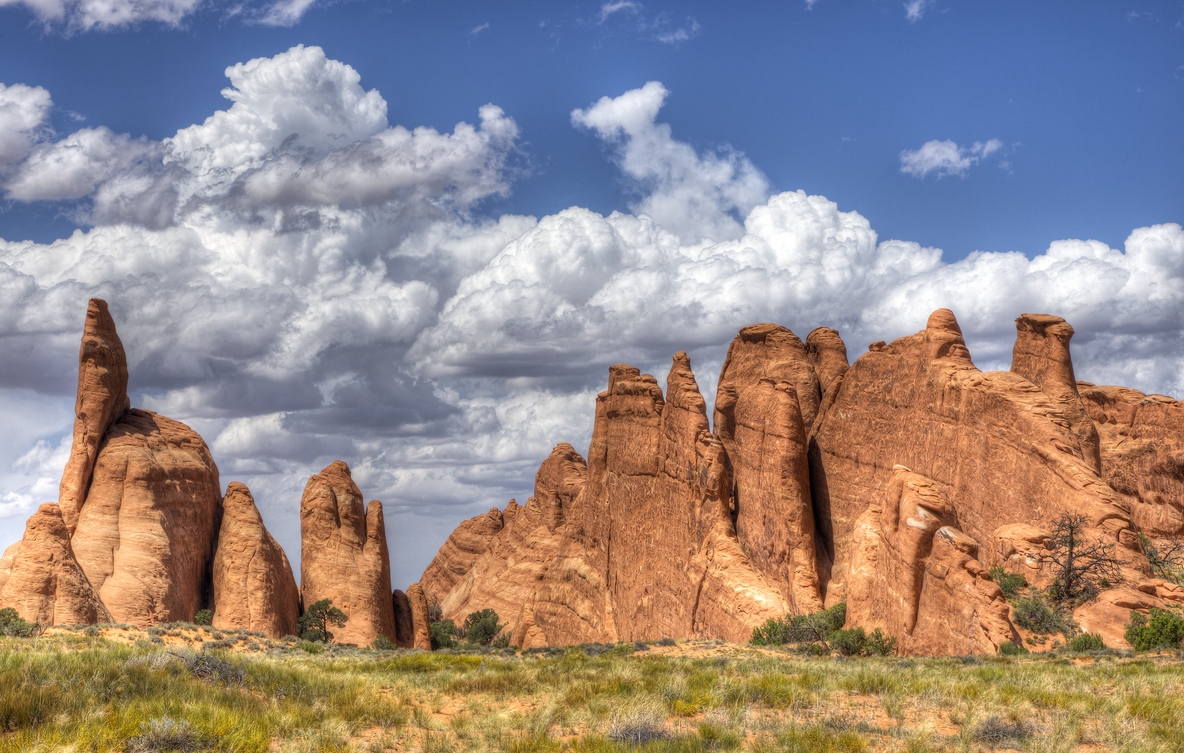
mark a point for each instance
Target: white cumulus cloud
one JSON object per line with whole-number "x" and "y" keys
{"x": 946, "y": 158}
{"x": 24, "y": 120}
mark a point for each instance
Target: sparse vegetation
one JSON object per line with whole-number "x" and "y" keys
{"x": 1085, "y": 642}
{"x": 71, "y": 691}
{"x": 482, "y": 627}
{"x": 314, "y": 623}
{"x": 1162, "y": 629}
{"x": 12, "y": 625}
{"x": 382, "y": 643}
{"x": 810, "y": 632}
{"x": 1166, "y": 557}
{"x": 1037, "y": 615}
{"x": 443, "y": 634}
{"x": 204, "y": 617}
{"x": 1081, "y": 567}
{"x": 1009, "y": 583}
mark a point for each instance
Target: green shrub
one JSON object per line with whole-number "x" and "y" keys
{"x": 804, "y": 629}
{"x": 382, "y": 643}
{"x": 314, "y": 623}
{"x": 849, "y": 642}
{"x": 879, "y": 644}
{"x": 482, "y": 627}
{"x": 665, "y": 642}
{"x": 1162, "y": 629}
{"x": 204, "y": 617}
{"x": 443, "y": 634}
{"x": 1009, "y": 583}
{"x": 11, "y": 624}
{"x": 1007, "y": 648}
{"x": 1085, "y": 642}
{"x": 1034, "y": 613}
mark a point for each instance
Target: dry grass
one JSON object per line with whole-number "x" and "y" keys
{"x": 118, "y": 690}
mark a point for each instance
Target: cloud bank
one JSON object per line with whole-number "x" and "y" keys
{"x": 301, "y": 280}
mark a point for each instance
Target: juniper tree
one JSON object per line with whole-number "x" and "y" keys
{"x": 1080, "y": 566}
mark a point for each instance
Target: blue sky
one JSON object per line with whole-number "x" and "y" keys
{"x": 351, "y": 256}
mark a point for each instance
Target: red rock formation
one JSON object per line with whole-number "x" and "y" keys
{"x": 915, "y": 576}
{"x": 253, "y": 584}
{"x": 145, "y": 534}
{"x": 344, "y": 556}
{"x": 464, "y": 546}
{"x": 996, "y": 441}
{"x": 101, "y": 400}
{"x": 828, "y": 355}
{"x": 404, "y": 620}
{"x": 6, "y": 560}
{"x": 1041, "y": 355}
{"x": 1142, "y": 449}
{"x": 419, "y": 618}
{"x": 45, "y": 584}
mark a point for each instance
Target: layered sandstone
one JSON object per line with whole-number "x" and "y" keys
{"x": 915, "y": 576}
{"x": 344, "y": 556}
{"x": 1142, "y": 451}
{"x": 45, "y": 583}
{"x": 146, "y": 530}
{"x": 421, "y": 633}
{"x": 101, "y": 400}
{"x": 464, "y": 546}
{"x": 252, "y": 581}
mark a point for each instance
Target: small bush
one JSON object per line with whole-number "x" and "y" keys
{"x": 665, "y": 642}
{"x": 879, "y": 644}
{"x": 382, "y": 643}
{"x": 637, "y": 727}
{"x": 309, "y": 647}
{"x": 996, "y": 730}
{"x": 165, "y": 734}
{"x": 805, "y": 630}
{"x": 1009, "y": 583}
{"x": 851, "y": 642}
{"x": 1034, "y": 613}
{"x": 204, "y": 617}
{"x": 482, "y": 627}
{"x": 443, "y": 634}
{"x": 1085, "y": 642}
{"x": 1007, "y": 648}
{"x": 1163, "y": 629}
{"x": 12, "y": 625}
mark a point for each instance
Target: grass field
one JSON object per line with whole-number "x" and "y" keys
{"x": 126, "y": 690}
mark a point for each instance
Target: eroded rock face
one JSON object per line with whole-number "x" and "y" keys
{"x": 344, "y": 556}
{"x": 45, "y": 583}
{"x": 146, "y": 531}
{"x": 1142, "y": 450}
{"x": 252, "y": 581}
{"x": 101, "y": 400}
{"x": 464, "y": 546}
{"x": 404, "y": 621}
{"x": 422, "y": 636}
{"x": 915, "y": 576}
{"x": 996, "y": 441}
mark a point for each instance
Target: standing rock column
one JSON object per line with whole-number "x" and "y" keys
{"x": 420, "y": 621}
{"x": 253, "y": 584}
{"x": 344, "y": 556}
{"x": 404, "y": 621}
{"x": 101, "y": 400}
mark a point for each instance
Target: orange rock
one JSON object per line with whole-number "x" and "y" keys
{"x": 101, "y": 400}
{"x": 404, "y": 621}
{"x": 1142, "y": 448}
{"x": 45, "y": 584}
{"x": 828, "y": 354}
{"x": 6, "y": 560}
{"x": 464, "y": 546}
{"x": 344, "y": 556}
{"x": 420, "y": 620}
{"x": 146, "y": 532}
{"x": 915, "y": 576}
{"x": 1110, "y": 613}
{"x": 253, "y": 584}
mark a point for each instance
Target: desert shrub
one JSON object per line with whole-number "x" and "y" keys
{"x": 1034, "y": 613}
{"x": 1085, "y": 642}
{"x": 207, "y": 666}
{"x": 443, "y": 634}
{"x": 309, "y": 647}
{"x": 1007, "y": 648}
{"x": 1009, "y": 583}
{"x": 314, "y": 623}
{"x": 204, "y": 617}
{"x": 382, "y": 643}
{"x": 879, "y": 644}
{"x": 1162, "y": 629}
{"x": 806, "y": 630}
{"x": 849, "y": 642}
{"x": 997, "y": 730}
{"x": 165, "y": 734}
{"x": 637, "y": 727}
{"x": 665, "y": 642}
{"x": 482, "y": 627}
{"x": 12, "y": 625}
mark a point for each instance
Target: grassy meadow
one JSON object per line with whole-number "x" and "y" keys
{"x": 184, "y": 688}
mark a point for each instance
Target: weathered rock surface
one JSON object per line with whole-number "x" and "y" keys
{"x": 404, "y": 620}
{"x": 45, "y": 583}
{"x": 998, "y": 443}
{"x": 344, "y": 556}
{"x": 419, "y": 618}
{"x": 1110, "y": 613}
{"x": 146, "y": 531}
{"x": 252, "y": 581}
{"x": 464, "y": 546}
{"x": 101, "y": 400}
{"x": 1142, "y": 450}
{"x": 915, "y": 576}
{"x": 6, "y": 560}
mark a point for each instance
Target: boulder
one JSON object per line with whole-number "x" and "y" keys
{"x": 420, "y": 619}
{"x": 101, "y": 400}
{"x": 1110, "y": 613}
{"x": 404, "y": 621}
{"x": 915, "y": 576}
{"x": 146, "y": 531}
{"x": 1142, "y": 451}
{"x": 252, "y": 581}
{"x": 46, "y": 584}
{"x": 344, "y": 556}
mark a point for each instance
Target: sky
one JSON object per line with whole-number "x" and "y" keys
{"x": 413, "y": 236}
